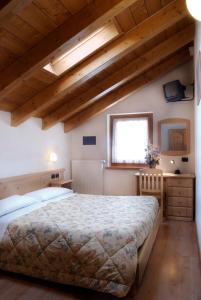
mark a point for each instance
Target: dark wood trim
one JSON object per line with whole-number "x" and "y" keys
{"x": 149, "y": 117}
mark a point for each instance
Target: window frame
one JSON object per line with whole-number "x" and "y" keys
{"x": 149, "y": 117}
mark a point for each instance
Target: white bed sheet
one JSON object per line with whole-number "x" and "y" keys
{"x": 6, "y": 219}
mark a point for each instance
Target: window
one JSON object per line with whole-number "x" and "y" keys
{"x": 83, "y": 49}
{"x": 129, "y": 136}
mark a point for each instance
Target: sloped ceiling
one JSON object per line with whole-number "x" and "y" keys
{"x": 154, "y": 37}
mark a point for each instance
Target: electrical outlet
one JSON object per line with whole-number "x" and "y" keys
{"x": 184, "y": 159}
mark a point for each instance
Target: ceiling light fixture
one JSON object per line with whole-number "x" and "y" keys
{"x": 194, "y": 7}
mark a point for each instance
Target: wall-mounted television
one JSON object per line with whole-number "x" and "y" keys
{"x": 174, "y": 91}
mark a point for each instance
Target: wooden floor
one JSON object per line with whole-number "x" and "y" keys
{"x": 173, "y": 273}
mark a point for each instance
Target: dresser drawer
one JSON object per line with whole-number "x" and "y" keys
{"x": 180, "y": 201}
{"x": 179, "y": 211}
{"x": 179, "y": 192}
{"x": 179, "y": 182}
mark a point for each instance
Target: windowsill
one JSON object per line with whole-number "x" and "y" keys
{"x": 123, "y": 168}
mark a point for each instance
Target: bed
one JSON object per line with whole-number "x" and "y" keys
{"x": 96, "y": 242}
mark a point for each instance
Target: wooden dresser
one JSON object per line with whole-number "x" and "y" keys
{"x": 178, "y": 196}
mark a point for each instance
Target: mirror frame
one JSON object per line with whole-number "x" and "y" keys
{"x": 172, "y": 121}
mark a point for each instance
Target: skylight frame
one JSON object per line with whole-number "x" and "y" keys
{"x": 94, "y": 42}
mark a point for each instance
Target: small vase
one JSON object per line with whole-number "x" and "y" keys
{"x": 152, "y": 165}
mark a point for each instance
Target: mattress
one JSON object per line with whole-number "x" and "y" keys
{"x": 82, "y": 240}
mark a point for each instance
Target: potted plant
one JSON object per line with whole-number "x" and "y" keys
{"x": 152, "y": 157}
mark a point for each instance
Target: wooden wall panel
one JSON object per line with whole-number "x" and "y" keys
{"x": 19, "y": 185}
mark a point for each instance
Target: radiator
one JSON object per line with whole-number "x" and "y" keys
{"x": 88, "y": 176}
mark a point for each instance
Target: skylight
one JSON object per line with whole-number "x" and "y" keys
{"x": 83, "y": 49}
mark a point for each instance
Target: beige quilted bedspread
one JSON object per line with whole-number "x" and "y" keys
{"x": 85, "y": 240}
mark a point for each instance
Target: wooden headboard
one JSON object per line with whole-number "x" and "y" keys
{"x": 19, "y": 185}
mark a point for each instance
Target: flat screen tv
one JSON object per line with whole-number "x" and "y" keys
{"x": 174, "y": 91}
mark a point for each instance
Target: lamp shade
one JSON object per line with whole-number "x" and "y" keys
{"x": 194, "y": 7}
{"x": 53, "y": 157}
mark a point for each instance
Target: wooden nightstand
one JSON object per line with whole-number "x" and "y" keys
{"x": 62, "y": 183}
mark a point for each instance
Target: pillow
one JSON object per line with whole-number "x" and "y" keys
{"x": 49, "y": 193}
{"x": 11, "y": 204}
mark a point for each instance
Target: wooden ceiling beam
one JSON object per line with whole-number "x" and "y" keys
{"x": 67, "y": 35}
{"x": 127, "y": 89}
{"x": 133, "y": 69}
{"x": 145, "y": 31}
{"x": 11, "y": 8}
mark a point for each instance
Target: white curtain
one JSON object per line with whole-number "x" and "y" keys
{"x": 130, "y": 138}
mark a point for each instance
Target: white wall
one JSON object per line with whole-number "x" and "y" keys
{"x": 25, "y": 149}
{"x": 148, "y": 99}
{"x": 198, "y": 143}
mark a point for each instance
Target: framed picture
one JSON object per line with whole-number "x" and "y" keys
{"x": 198, "y": 77}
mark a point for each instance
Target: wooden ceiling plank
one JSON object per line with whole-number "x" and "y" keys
{"x": 54, "y": 9}
{"x": 130, "y": 87}
{"x": 153, "y": 6}
{"x": 73, "y": 6}
{"x": 36, "y": 17}
{"x": 165, "y": 2}
{"x": 12, "y": 43}
{"x": 133, "y": 69}
{"x": 125, "y": 20}
{"x": 139, "y": 11}
{"x": 44, "y": 76}
{"x": 6, "y": 58}
{"x": 104, "y": 58}
{"x": 13, "y": 7}
{"x": 23, "y": 30}
{"x": 64, "y": 37}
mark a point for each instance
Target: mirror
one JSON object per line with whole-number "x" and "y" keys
{"x": 174, "y": 136}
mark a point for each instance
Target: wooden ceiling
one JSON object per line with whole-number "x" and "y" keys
{"x": 154, "y": 38}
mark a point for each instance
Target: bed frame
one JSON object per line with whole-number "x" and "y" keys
{"x": 27, "y": 183}
{"x": 19, "y": 185}
{"x": 145, "y": 250}
{"x": 144, "y": 254}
